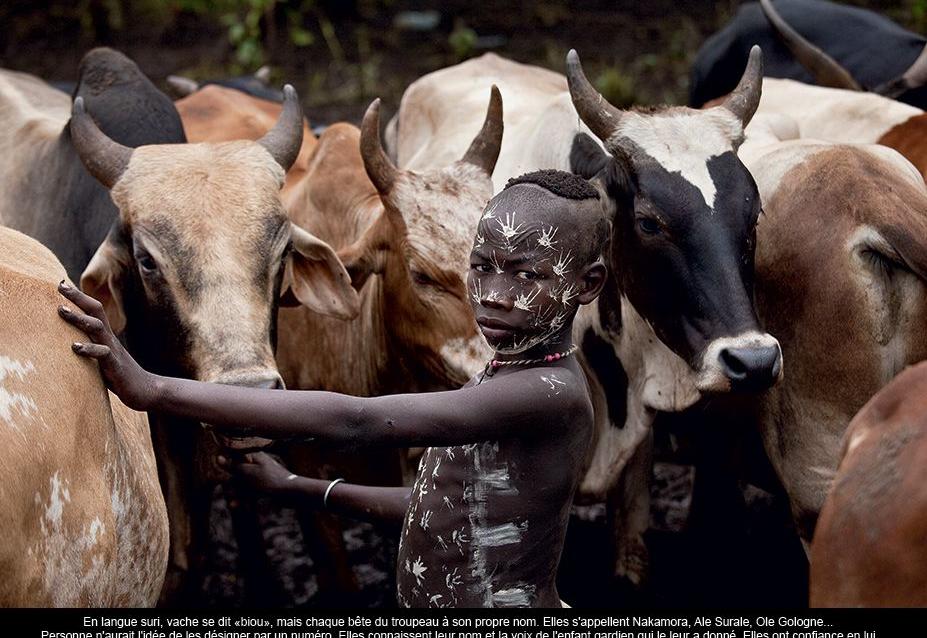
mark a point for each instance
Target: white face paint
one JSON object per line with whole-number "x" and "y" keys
{"x": 683, "y": 141}
{"x": 521, "y": 275}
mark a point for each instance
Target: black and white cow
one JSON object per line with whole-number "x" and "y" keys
{"x": 677, "y": 318}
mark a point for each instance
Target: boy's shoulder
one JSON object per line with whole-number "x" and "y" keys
{"x": 562, "y": 384}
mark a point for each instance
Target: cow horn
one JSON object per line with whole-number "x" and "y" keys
{"x": 381, "y": 171}
{"x": 915, "y": 77}
{"x": 601, "y": 117}
{"x": 484, "y": 150}
{"x": 826, "y": 70}
{"x": 105, "y": 159}
{"x": 285, "y": 139}
{"x": 744, "y": 100}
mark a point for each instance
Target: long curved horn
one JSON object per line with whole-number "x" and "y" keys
{"x": 285, "y": 139}
{"x": 105, "y": 159}
{"x": 915, "y": 77}
{"x": 826, "y": 70}
{"x": 744, "y": 100}
{"x": 485, "y": 147}
{"x": 381, "y": 171}
{"x": 601, "y": 117}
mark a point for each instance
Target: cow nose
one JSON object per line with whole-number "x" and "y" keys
{"x": 755, "y": 368}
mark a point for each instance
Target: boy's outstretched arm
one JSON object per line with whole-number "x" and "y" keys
{"x": 374, "y": 504}
{"x": 525, "y": 403}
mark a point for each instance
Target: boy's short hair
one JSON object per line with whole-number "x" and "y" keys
{"x": 560, "y": 183}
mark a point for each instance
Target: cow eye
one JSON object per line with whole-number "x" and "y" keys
{"x": 648, "y": 225}
{"x": 422, "y": 279}
{"x": 146, "y": 262}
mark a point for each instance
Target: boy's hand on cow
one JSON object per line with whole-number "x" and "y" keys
{"x": 260, "y": 471}
{"x": 134, "y": 386}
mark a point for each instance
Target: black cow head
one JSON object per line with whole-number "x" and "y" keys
{"x": 684, "y": 227}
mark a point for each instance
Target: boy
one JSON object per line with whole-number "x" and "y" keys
{"x": 485, "y": 521}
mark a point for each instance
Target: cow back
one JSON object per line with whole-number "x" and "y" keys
{"x": 869, "y": 545}
{"x": 871, "y": 47}
{"x": 82, "y": 513}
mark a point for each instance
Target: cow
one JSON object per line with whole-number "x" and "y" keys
{"x": 875, "y": 52}
{"x": 198, "y": 252}
{"x": 405, "y": 238}
{"x": 256, "y": 85}
{"x": 46, "y": 192}
{"x": 841, "y": 280}
{"x": 869, "y": 548}
{"x": 676, "y": 321}
{"x": 843, "y": 116}
{"x": 84, "y": 522}
{"x": 843, "y": 113}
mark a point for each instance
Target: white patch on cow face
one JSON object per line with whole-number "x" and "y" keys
{"x": 711, "y": 376}
{"x": 683, "y": 141}
{"x": 14, "y": 402}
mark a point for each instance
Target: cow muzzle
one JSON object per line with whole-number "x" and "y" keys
{"x": 272, "y": 381}
{"x": 751, "y": 362}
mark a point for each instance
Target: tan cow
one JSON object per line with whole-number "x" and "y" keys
{"x": 83, "y": 520}
{"x": 194, "y": 263}
{"x": 841, "y": 269}
{"x": 870, "y": 546}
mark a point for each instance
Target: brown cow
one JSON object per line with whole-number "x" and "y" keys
{"x": 841, "y": 280}
{"x": 870, "y": 546}
{"x": 84, "y": 522}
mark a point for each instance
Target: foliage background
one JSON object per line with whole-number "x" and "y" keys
{"x": 342, "y": 53}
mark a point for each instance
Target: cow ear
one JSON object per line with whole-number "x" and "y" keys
{"x": 103, "y": 278}
{"x": 317, "y": 279}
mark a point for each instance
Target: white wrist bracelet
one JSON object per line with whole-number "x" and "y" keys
{"x": 328, "y": 490}
{"x": 292, "y": 477}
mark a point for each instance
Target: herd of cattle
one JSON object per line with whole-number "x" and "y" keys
{"x": 230, "y": 244}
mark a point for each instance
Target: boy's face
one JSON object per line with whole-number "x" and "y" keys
{"x": 525, "y": 274}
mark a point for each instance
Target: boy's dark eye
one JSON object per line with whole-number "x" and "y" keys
{"x": 527, "y": 275}
{"x": 484, "y": 268}
{"x": 648, "y": 225}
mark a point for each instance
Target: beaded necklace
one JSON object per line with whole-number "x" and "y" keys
{"x": 495, "y": 364}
